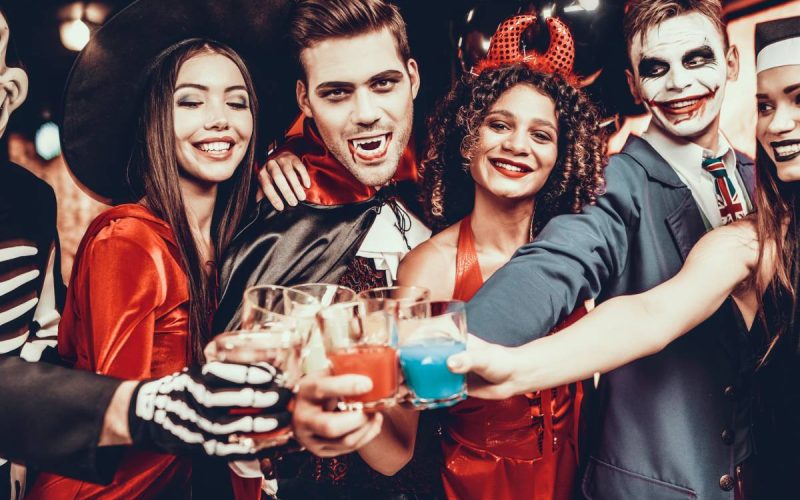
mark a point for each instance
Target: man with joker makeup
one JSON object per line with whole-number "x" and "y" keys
{"x": 675, "y": 424}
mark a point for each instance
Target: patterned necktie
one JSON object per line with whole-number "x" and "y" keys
{"x": 729, "y": 201}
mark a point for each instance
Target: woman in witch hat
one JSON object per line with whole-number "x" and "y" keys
{"x": 755, "y": 261}
{"x": 160, "y": 118}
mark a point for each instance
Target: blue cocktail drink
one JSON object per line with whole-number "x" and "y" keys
{"x": 424, "y": 365}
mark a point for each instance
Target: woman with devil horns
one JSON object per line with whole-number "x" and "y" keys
{"x": 511, "y": 147}
{"x": 755, "y": 261}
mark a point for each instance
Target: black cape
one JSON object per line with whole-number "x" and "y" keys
{"x": 303, "y": 244}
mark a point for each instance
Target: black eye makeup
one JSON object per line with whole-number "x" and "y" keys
{"x": 650, "y": 67}
{"x": 188, "y": 101}
{"x": 698, "y": 57}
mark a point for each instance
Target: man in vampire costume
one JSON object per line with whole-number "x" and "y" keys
{"x": 673, "y": 425}
{"x": 356, "y": 89}
{"x": 351, "y": 229}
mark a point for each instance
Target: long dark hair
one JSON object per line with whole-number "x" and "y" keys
{"x": 153, "y": 173}
{"x": 576, "y": 179}
{"x": 777, "y": 203}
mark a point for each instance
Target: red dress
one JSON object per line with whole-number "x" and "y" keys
{"x": 521, "y": 447}
{"x": 126, "y": 315}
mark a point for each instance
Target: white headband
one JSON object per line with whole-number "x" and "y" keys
{"x": 783, "y": 53}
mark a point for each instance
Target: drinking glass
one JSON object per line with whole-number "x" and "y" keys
{"x": 385, "y": 305}
{"x": 432, "y": 332}
{"x": 277, "y": 343}
{"x": 265, "y": 304}
{"x": 389, "y": 296}
{"x": 326, "y": 294}
{"x": 354, "y": 349}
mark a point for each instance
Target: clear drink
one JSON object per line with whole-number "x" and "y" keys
{"x": 278, "y": 344}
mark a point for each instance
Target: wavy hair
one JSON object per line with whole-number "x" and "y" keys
{"x": 576, "y": 179}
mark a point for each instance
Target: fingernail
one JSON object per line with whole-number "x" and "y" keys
{"x": 363, "y": 385}
{"x": 302, "y": 196}
{"x": 454, "y": 363}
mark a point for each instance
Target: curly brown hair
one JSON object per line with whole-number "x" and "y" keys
{"x": 576, "y": 179}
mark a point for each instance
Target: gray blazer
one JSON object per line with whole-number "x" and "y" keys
{"x": 669, "y": 426}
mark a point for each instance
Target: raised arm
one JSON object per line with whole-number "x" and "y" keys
{"x": 624, "y": 328}
{"x": 569, "y": 262}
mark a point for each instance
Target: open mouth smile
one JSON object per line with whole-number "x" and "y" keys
{"x": 216, "y": 148}
{"x": 510, "y": 168}
{"x": 786, "y": 150}
{"x": 684, "y": 105}
{"x": 370, "y": 148}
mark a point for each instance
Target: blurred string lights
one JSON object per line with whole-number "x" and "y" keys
{"x": 78, "y": 21}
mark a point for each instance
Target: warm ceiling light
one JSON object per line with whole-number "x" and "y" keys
{"x": 74, "y": 34}
{"x": 589, "y": 4}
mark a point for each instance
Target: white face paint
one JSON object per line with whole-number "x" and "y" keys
{"x": 679, "y": 72}
{"x": 13, "y": 81}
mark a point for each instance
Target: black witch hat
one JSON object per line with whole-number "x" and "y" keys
{"x": 103, "y": 91}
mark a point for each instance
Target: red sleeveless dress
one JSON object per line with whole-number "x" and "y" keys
{"x": 521, "y": 447}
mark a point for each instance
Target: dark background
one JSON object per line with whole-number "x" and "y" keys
{"x": 434, "y": 26}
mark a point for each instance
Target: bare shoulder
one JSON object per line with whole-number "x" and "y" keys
{"x": 432, "y": 264}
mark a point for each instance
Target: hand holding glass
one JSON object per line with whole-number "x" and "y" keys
{"x": 434, "y": 331}
{"x": 354, "y": 349}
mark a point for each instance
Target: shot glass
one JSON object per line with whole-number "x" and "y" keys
{"x": 432, "y": 332}
{"x": 352, "y": 348}
{"x": 326, "y": 294}
{"x": 277, "y": 343}
{"x": 385, "y": 305}
{"x": 265, "y": 304}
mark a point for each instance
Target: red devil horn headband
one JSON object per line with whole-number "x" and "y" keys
{"x": 505, "y": 48}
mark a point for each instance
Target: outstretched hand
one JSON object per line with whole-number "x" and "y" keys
{"x": 490, "y": 372}
{"x": 204, "y": 409}
{"x": 280, "y": 178}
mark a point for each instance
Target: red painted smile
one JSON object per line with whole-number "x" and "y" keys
{"x": 684, "y": 105}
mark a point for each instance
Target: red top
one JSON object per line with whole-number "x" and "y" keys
{"x": 520, "y": 447}
{"x": 126, "y": 315}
